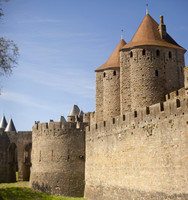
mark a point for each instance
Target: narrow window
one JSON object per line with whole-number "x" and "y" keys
{"x": 156, "y": 73}
{"x": 170, "y": 54}
{"x": 135, "y": 113}
{"x": 114, "y": 73}
{"x": 52, "y": 155}
{"x": 104, "y": 123}
{"x": 104, "y": 74}
{"x": 123, "y": 117}
{"x": 131, "y": 54}
{"x": 162, "y": 106}
{"x": 113, "y": 120}
{"x": 143, "y": 52}
{"x": 96, "y": 126}
{"x": 147, "y": 111}
{"x": 158, "y": 52}
{"x": 40, "y": 156}
{"x": 177, "y": 103}
{"x": 177, "y": 93}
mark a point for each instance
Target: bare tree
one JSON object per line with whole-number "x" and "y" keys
{"x": 8, "y": 53}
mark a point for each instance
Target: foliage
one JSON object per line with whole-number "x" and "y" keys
{"x": 8, "y": 53}
{"x": 14, "y": 192}
{"x": 8, "y": 56}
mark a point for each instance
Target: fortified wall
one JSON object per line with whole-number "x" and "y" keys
{"x": 140, "y": 155}
{"x": 58, "y": 158}
{"x": 15, "y": 155}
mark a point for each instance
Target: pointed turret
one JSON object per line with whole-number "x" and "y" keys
{"x": 10, "y": 126}
{"x": 3, "y": 123}
{"x": 74, "y": 111}
{"x": 114, "y": 60}
{"x": 108, "y": 85}
{"x": 62, "y": 120}
{"x": 154, "y": 66}
{"x": 151, "y": 33}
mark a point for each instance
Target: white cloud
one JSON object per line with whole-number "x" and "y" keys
{"x": 65, "y": 80}
{"x": 23, "y": 99}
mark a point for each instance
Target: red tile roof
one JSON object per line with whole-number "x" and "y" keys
{"x": 148, "y": 34}
{"x": 114, "y": 60}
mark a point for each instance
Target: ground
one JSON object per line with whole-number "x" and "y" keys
{"x": 21, "y": 191}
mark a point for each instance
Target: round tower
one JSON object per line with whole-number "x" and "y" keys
{"x": 152, "y": 66}
{"x": 58, "y": 159}
{"x": 108, "y": 86}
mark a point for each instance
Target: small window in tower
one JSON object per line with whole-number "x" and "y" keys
{"x": 156, "y": 73}
{"x": 135, "y": 113}
{"x": 177, "y": 103}
{"x": 158, "y": 52}
{"x": 131, "y": 54}
{"x": 114, "y": 73}
{"x": 143, "y": 52}
{"x": 170, "y": 54}
{"x": 104, "y": 74}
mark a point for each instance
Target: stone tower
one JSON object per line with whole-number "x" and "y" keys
{"x": 108, "y": 86}
{"x": 73, "y": 113}
{"x": 152, "y": 65}
{"x": 58, "y": 155}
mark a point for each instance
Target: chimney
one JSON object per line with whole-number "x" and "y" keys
{"x": 162, "y": 28}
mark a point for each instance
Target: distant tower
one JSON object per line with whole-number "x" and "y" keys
{"x": 62, "y": 120}
{"x": 108, "y": 86}
{"x": 151, "y": 66}
{"x": 3, "y": 123}
{"x": 10, "y": 127}
{"x": 74, "y": 111}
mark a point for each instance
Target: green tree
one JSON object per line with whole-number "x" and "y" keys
{"x": 8, "y": 53}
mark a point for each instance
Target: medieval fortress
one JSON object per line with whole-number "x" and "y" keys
{"x": 134, "y": 146}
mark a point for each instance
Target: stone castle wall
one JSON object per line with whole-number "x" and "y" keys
{"x": 140, "y": 155}
{"x": 186, "y": 77}
{"x": 58, "y": 158}
{"x": 147, "y": 74}
{"x": 4, "y": 143}
{"x": 111, "y": 93}
{"x": 12, "y": 153}
{"x": 99, "y": 95}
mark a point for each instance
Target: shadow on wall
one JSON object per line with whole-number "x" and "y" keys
{"x": 43, "y": 188}
{"x": 12, "y": 162}
{"x": 27, "y": 162}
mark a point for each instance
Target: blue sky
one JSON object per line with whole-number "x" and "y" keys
{"x": 62, "y": 42}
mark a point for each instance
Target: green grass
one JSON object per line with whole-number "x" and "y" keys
{"x": 16, "y": 176}
{"x": 21, "y": 191}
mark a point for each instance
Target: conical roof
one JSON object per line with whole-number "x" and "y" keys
{"x": 114, "y": 60}
{"x": 3, "y": 122}
{"x": 10, "y": 126}
{"x": 81, "y": 113}
{"x": 74, "y": 111}
{"x": 148, "y": 34}
{"x": 62, "y": 120}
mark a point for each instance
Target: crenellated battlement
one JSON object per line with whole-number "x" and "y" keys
{"x": 176, "y": 94}
{"x": 89, "y": 117}
{"x": 140, "y": 117}
{"x": 56, "y": 128}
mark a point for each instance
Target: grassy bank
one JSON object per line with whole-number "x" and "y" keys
{"x": 21, "y": 191}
